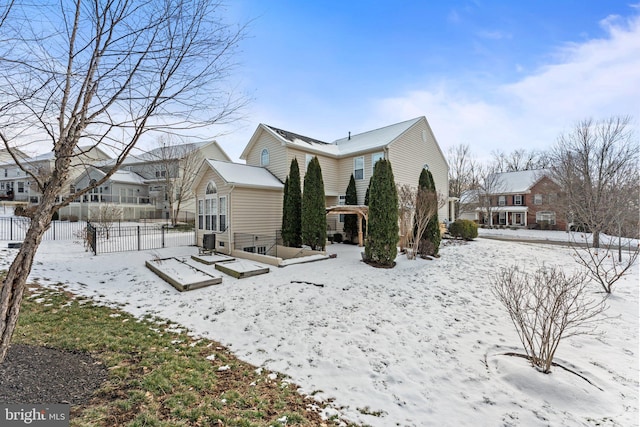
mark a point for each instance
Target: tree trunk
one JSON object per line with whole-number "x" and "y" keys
{"x": 14, "y": 283}
{"x": 596, "y": 239}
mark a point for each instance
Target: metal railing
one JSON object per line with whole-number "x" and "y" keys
{"x": 15, "y": 228}
{"x": 118, "y": 238}
{"x": 105, "y": 238}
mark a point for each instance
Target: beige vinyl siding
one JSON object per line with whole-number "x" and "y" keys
{"x": 347, "y": 168}
{"x": 328, "y": 165}
{"x": 213, "y": 151}
{"x": 256, "y": 211}
{"x": 279, "y": 161}
{"x": 408, "y": 155}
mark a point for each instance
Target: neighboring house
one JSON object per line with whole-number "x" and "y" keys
{"x": 163, "y": 167}
{"x": 19, "y": 183}
{"x": 125, "y": 190}
{"x": 410, "y": 146}
{"x": 139, "y": 187}
{"x": 522, "y": 198}
{"x": 468, "y": 206}
{"x": 5, "y": 156}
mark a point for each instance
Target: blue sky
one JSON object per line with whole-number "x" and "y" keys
{"x": 496, "y": 75}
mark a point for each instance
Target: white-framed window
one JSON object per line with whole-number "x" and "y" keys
{"x": 342, "y": 200}
{"x": 502, "y": 217}
{"x": 502, "y": 200}
{"x": 262, "y": 250}
{"x": 161, "y": 174}
{"x": 358, "y": 168}
{"x": 212, "y": 210}
{"x": 548, "y": 217}
{"x": 517, "y": 200}
{"x": 264, "y": 157}
{"x": 210, "y": 207}
{"x": 20, "y": 187}
{"x": 537, "y": 199}
{"x": 374, "y": 158}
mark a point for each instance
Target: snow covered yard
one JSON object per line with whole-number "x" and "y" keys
{"x": 415, "y": 345}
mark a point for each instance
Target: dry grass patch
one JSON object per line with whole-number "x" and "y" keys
{"x": 157, "y": 374}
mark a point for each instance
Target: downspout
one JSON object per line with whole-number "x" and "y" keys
{"x": 230, "y": 220}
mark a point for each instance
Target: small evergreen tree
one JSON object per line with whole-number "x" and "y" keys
{"x": 382, "y": 239}
{"x": 366, "y": 203}
{"x": 314, "y": 222}
{"x": 429, "y": 243}
{"x": 351, "y": 220}
{"x": 284, "y": 229}
{"x": 292, "y": 208}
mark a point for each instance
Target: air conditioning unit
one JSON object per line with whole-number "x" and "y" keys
{"x": 209, "y": 241}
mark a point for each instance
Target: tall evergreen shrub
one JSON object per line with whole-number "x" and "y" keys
{"x": 292, "y": 208}
{"x": 382, "y": 239}
{"x": 430, "y": 240}
{"x": 314, "y": 215}
{"x": 351, "y": 220}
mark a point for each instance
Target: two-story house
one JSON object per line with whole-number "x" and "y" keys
{"x": 146, "y": 185}
{"x": 523, "y": 198}
{"x": 249, "y": 197}
{"x": 16, "y": 182}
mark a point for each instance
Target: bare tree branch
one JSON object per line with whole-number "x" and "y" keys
{"x": 103, "y": 74}
{"x": 545, "y": 307}
{"x": 596, "y": 165}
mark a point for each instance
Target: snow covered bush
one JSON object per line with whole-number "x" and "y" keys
{"x": 545, "y": 307}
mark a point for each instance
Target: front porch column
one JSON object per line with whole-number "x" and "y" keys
{"x": 360, "y": 230}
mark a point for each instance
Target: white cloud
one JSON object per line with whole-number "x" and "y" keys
{"x": 598, "y": 78}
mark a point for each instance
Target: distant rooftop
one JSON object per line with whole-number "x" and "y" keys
{"x": 518, "y": 181}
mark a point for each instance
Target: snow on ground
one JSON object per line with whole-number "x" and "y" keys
{"x": 415, "y": 345}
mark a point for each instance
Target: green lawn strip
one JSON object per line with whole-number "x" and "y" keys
{"x": 157, "y": 376}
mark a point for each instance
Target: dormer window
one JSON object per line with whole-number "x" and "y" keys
{"x": 264, "y": 157}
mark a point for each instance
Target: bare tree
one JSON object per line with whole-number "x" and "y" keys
{"x": 596, "y": 165}
{"x": 105, "y": 215}
{"x": 491, "y": 184}
{"x": 519, "y": 160}
{"x": 178, "y": 164}
{"x": 463, "y": 170}
{"x": 406, "y": 207}
{"x": 416, "y": 208}
{"x": 602, "y": 264}
{"x": 104, "y": 74}
{"x": 545, "y": 307}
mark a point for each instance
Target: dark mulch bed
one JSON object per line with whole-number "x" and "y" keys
{"x": 33, "y": 374}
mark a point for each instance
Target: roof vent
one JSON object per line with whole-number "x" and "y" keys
{"x": 349, "y": 136}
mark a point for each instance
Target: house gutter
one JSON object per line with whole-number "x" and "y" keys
{"x": 230, "y": 220}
